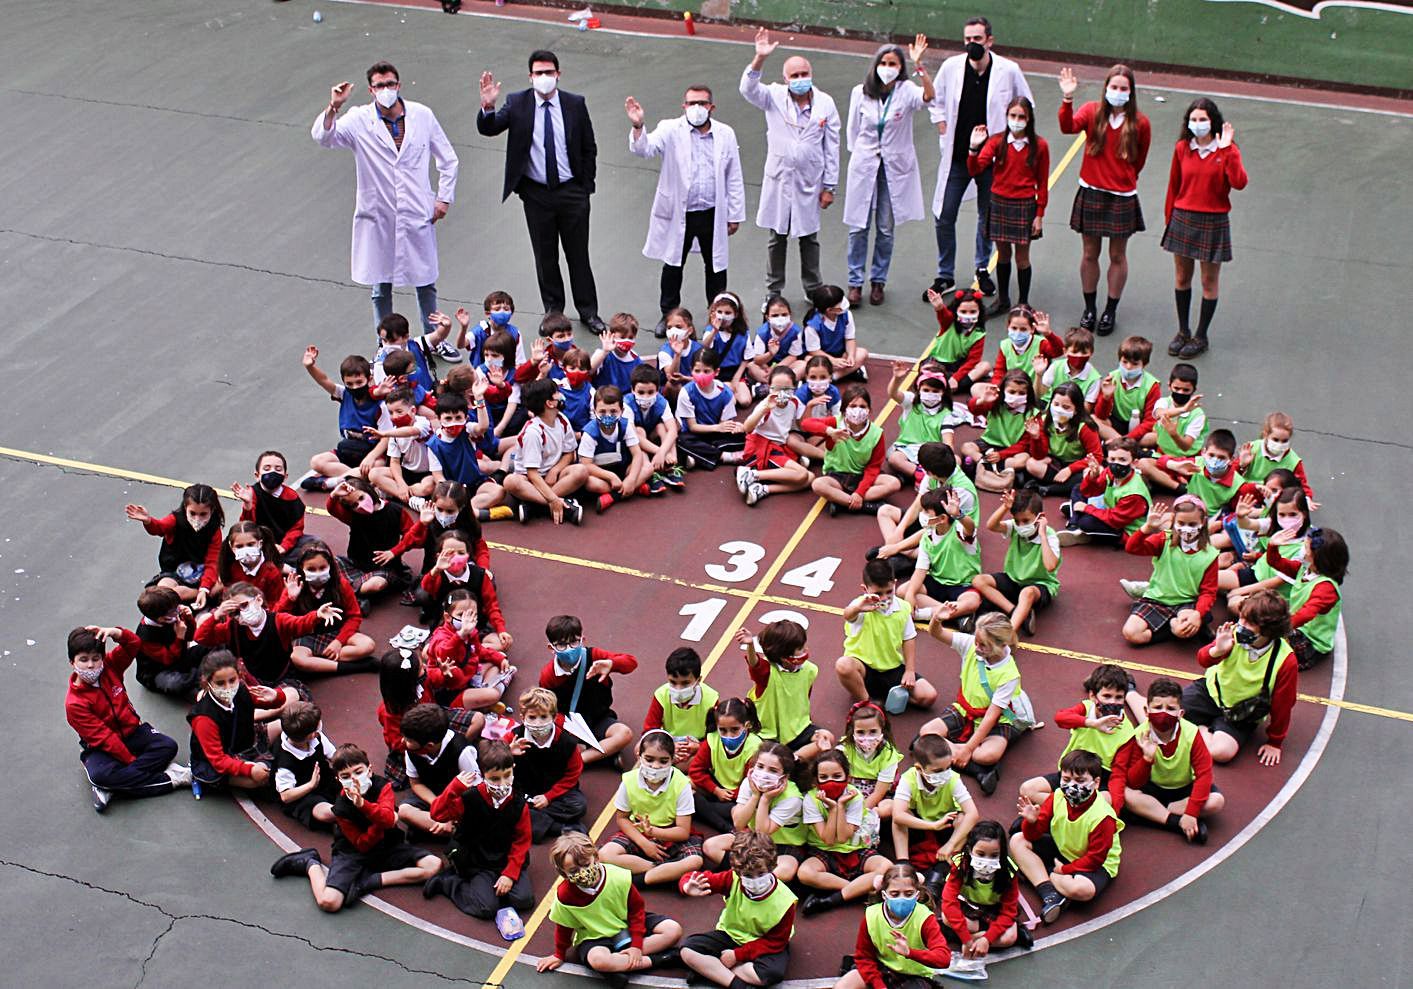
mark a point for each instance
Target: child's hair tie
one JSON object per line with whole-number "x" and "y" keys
{"x": 859, "y": 705}
{"x": 406, "y": 663}
{"x": 1190, "y": 499}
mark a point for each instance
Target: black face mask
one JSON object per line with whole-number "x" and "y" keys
{"x": 271, "y": 480}
{"x": 1244, "y": 635}
{"x": 1105, "y": 710}
{"x": 359, "y": 394}
{"x": 1181, "y": 397}
{"x": 976, "y": 51}
{"x": 1120, "y": 471}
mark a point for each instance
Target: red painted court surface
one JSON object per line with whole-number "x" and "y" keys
{"x": 653, "y": 575}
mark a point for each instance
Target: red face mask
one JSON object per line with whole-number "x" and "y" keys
{"x": 577, "y": 379}
{"x": 454, "y": 430}
{"x": 623, "y": 345}
{"x": 834, "y": 789}
{"x": 402, "y": 420}
{"x": 1076, "y": 363}
{"x": 1164, "y": 721}
{"x": 457, "y": 564}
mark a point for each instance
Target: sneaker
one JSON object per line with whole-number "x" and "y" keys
{"x": 745, "y": 477}
{"x": 987, "y": 779}
{"x": 1086, "y": 321}
{"x": 179, "y": 775}
{"x": 498, "y": 513}
{"x": 408, "y": 599}
{"x": 313, "y": 481}
{"x": 643, "y": 490}
{"x": 984, "y": 283}
{"x": 1177, "y": 343}
{"x": 832, "y": 509}
{"x": 1067, "y": 510}
{"x": 1051, "y": 906}
{"x": 755, "y": 493}
{"x": 760, "y": 390}
{"x": 922, "y": 614}
{"x": 1072, "y": 537}
{"x": 733, "y": 457}
{"x": 939, "y": 285}
{"x": 674, "y": 478}
{"x": 101, "y": 798}
{"x": 1107, "y": 324}
{"x": 1134, "y": 588}
{"x": 573, "y": 512}
{"x": 861, "y": 372}
{"x": 604, "y": 503}
{"x": 417, "y": 503}
{"x": 1028, "y": 626}
{"x": 657, "y": 485}
{"x": 522, "y": 513}
{"x": 295, "y": 863}
{"x": 447, "y": 352}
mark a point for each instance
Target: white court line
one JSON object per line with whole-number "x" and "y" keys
{"x": 815, "y": 49}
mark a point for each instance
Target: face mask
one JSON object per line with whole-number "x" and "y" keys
{"x": 363, "y": 780}
{"x": 818, "y": 386}
{"x": 976, "y": 51}
{"x": 1106, "y": 710}
{"x": 316, "y": 578}
{"x": 1016, "y": 403}
{"x": 452, "y": 430}
{"x": 495, "y": 363}
{"x": 1188, "y": 533}
{"x": 1289, "y": 521}
{"x": 678, "y": 333}
{"x": 387, "y": 98}
{"x": 1060, "y": 416}
{"x": 930, "y": 399}
{"x": 733, "y": 745}
{"x": 1216, "y": 466}
{"x": 1076, "y": 792}
{"x": 541, "y": 731}
{"x": 886, "y": 73}
{"x": 645, "y": 402}
{"x": 779, "y": 323}
{"x": 763, "y": 780}
{"x": 248, "y": 556}
{"x": 1199, "y": 128}
{"x": 1026, "y": 531}
{"x": 966, "y": 323}
{"x": 544, "y": 85}
{"x": 683, "y": 695}
{"x": 934, "y": 780}
{"x": 1020, "y": 339}
{"x": 607, "y": 423}
{"x": 623, "y": 345}
{"x": 757, "y": 885}
{"x": 867, "y": 744}
{"x": 1277, "y": 448}
{"x": 723, "y": 319}
{"x": 1244, "y": 635}
{"x": 224, "y": 696}
{"x": 401, "y": 420}
{"x": 653, "y": 775}
{"x": 90, "y": 676}
{"x": 252, "y": 614}
{"x": 1116, "y": 97}
{"x": 1131, "y": 374}
{"x": 801, "y": 86}
{"x": 271, "y": 480}
{"x": 500, "y": 317}
{"x": 197, "y": 522}
{"x": 446, "y": 519}
{"x": 1120, "y": 471}
{"x": 577, "y": 379}
{"x": 1017, "y": 126}
{"x": 1163, "y": 721}
{"x": 856, "y": 415}
{"x": 500, "y": 791}
{"x": 360, "y": 394}
{"x": 457, "y": 564}
{"x": 983, "y": 867}
{"x": 562, "y": 345}
{"x": 365, "y": 504}
{"x": 900, "y": 907}
{"x": 569, "y": 658}
{"x": 697, "y": 115}
{"x": 586, "y": 878}
{"x": 1076, "y": 364}
{"x": 703, "y": 379}
{"x": 833, "y": 789}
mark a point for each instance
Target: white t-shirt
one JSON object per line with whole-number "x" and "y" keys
{"x": 892, "y": 607}
{"x": 542, "y": 444}
{"x": 1003, "y": 694}
{"x": 811, "y": 336}
{"x": 784, "y": 812}
{"x": 411, "y": 451}
{"x": 755, "y": 347}
{"x": 960, "y": 795}
{"x": 284, "y": 778}
{"x": 686, "y": 803}
{"x": 1091, "y": 394}
{"x": 465, "y": 763}
{"x": 812, "y": 813}
{"x": 686, "y": 411}
{"x": 778, "y": 422}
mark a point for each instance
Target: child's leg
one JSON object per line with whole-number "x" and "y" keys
{"x": 664, "y": 935}
{"x": 327, "y": 898}
{"x": 885, "y": 485}
{"x": 786, "y": 868}
{"x": 900, "y": 462}
{"x": 1030, "y": 864}
{"x": 670, "y": 872}
{"x": 1017, "y": 461}
{"x": 425, "y": 868}
{"x": 1025, "y": 602}
{"x": 851, "y": 980}
{"x": 716, "y": 848}
{"x": 890, "y": 518}
{"x": 614, "y": 741}
{"x": 970, "y": 449}
{"x": 796, "y": 443}
{"x": 1223, "y": 747}
{"x": 480, "y": 698}
{"x": 814, "y": 873}
{"x": 382, "y": 480}
{"x": 922, "y": 694}
{"x": 1036, "y": 467}
{"x": 596, "y": 482}
{"x": 1137, "y": 631}
{"x": 990, "y": 751}
{"x": 1076, "y": 888}
{"x": 875, "y": 866}
{"x": 329, "y": 465}
{"x": 570, "y": 478}
{"x": 742, "y": 391}
{"x": 793, "y": 476}
{"x": 618, "y": 855}
{"x": 417, "y": 817}
{"x": 517, "y": 486}
{"x": 1156, "y": 475}
{"x": 850, "y": 672}
{"x": 1037, "y": 788}
{"x": 488, "y": 495}
{"x": 702, "y": 954}
{"x": 830, "y": 490}
{"x": 985, "y": 585}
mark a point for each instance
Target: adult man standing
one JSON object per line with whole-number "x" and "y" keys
{"x": 972, "y": 88}
{"x": 700, "y": 196}
{"x": 394, "y": 242}
{"x": 550, "y": 163}
{"x": 801, "y": 161}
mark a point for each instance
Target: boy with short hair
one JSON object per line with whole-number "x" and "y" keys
{"x": 1029, "y": 579}
{"x": 433, "y": 755}
{"x": 547, "y": 766}
{"x": 168, "y": 659}
{"x": 1128, "y": 393}
{"x": 395, "y": 333}
{"x": 1111, "y": 501}
{"x": 490, "y": 846}
{"x": 706, "y": 408}
{"x": 615, "y": 360}
{"x": 656, "y": 427}
{"x": 1180, "y": 424}
{"x": 499, "y": 308}
{"x": 304, "y": 779}
{"x": 271, "y": 502}
{"x": 576, "y": 390}
{"x": 681, "y": 705}
{"x": 370, "y": 851}
{"x": 610, "y": 450}
{"x": 546, "y": 473}
{"x": 782, "y": 679}
{"x": 581, "y": 678}
{"x": 358, "y": 412}
{"x": 121, "y": 753}
{"x": 937, "y": 468}
{"x": 1213, "y": 476}
{"x": 1076, "y": 367}
{"x": 880, "y": 642}
{"x": 556, "y": 337}
{"x": 409, "y": 470}
{"x": 454, "y": 453}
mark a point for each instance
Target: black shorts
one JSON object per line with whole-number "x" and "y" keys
{"x": 1012, "y": 588}
{"x": 770, "y": 969}
{"x": 943, "y": 592}
{"x": 302, "y": 810}
{"x": 602, "y": 725}
{"x": 878, "y": 682}
{"x": 954, "y": 721}
{"x": 346, "y": 868}
{"x": 1199, "y": 708}
{"x": 1052, "y": 858}
{"x": 621, "y": 940}
{"x": 1246, "y": 576}
{"x": 849, "y": 482}
{"x": 412, "y": 477}
{"x": 803, "y": 738}
{"x": 1165, "y": 796}
{"x": 351, "y": 451}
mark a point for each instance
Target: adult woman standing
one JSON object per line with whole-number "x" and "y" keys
{"x": 883, "y": 186}
{"x": 1206, "y": 168}
{"x": 1106, "y": 204}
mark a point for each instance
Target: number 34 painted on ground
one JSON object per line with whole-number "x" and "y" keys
{"x": 743, "y": 561}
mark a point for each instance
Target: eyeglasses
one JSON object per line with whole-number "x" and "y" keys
{"x": 393, "y": 84}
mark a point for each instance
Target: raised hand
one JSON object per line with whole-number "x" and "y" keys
{"x": 490, "y": 91}
{"x": 901, "y": 368}
{"x": 1068, "y": 83}
{"x": 1227, "y": 136}
{"x": 137, "y": 513}
{"x": 764, "y": 46}
{"x": 338, "y": 95}
{"x": 311, "y": 354}
{"x": 978, "y": 136}
{"x": 634, "y": 109}
{"x": 918, "y": 49}
{"x": 935, "y": 300}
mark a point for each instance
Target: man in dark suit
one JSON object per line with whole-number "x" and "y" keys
{"x": 550, "y": 162}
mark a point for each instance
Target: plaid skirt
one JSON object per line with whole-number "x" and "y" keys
{"x": 315, "y": 643}
{"x": 395, "y": 575}
{"x": 1200, "y": 236}
{"x": 1102, "y": 214}
{"x": 1009, "y": 220}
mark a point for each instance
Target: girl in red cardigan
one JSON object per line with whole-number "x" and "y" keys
{"x": 1106, "y": 205}
{"x": 1020, "y": 163}
{"x": 249, "y": 553}
{"x": 1206, "y": 168}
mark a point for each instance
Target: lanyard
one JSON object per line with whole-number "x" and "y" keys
{"x": 883, "y": 113}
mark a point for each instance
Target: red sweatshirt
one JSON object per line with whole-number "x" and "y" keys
{"x": 103, "y": 714}
{"x": 1203, "y": 185}
{"x": 295, "y": 532}
{"x": 347, "y": 603}
{"x": 1039, "y": 448}
{"x": 573, "y": 769}
{"x": 622, "y": 663}
{"x": 380, "y": 818}
{"x": 433, "y": 582}
{"x": 446, "y": 643}
{"x": 1106, "y": 170}
{"x": 1015, "y": 179}
{"x": 1140, "y": 544}
{"x": 820, "y": 426}
{"x": 1125, "y": 510}
{"x": 216, "y": 631}
{"x": 1322, "y": 598}
{"x": 208, "y": 733}
{"x": 166, "y": 653}
{"x": 1100, "y": 839}
{"x": 167, "y": 524}
{"x": 935, "y": 955}
{"x": 772, "y": 942}
{"x": 346, "y": 515}
{"x": 572, "y": 896}
{"x": 1104, "y": 410}
{"x": 1283, "y": 690}
{"x": 1051, "y": 346}
{"x": 945, "y": 319}
{"x": 957, "y": 920}
{"x": 449, "y": 807}
{"x": 268, "y": 578}
{"x": 980, "y": 407}
{"x": 1130, "y": 769}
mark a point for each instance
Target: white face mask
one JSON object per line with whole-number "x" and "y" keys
{"x": 541, "y": 730}
{"x": 248, "y": 556}
{"x": 1016, "y": 403}
{"x": 363, "y": 780}
{"x": 90, "y": 676}
{"x": 1188, "y": 533}
{"x": 818, "y": 386}
{"x": 1116, "y": 97}
{"x": 930, "y": 399}
{"x": 779, "y": 323}
{"x": 645, "y": 402}
{"x": 856, "y": 415}
{"x": 1017, "y": 126}
{"x": 1199, "y": 128}
{"x": 867, "y": 744}
{"x": 316, "y": 578}
{"x": 252, "y": 614}
{"x": 886, "y": 73}
{"x": 1060, "y": 416}
{"x": 935, "y": 780}
{"x": 197, "y": 522}
{"x": 697, "y": 115}
{"x": 764, "y": 780}
{"x": 653, "y": 775}
{"x": 387, "y": 98}
{"x": 684, "y": 695}
{"x": 1277, "y": 448}
{"x": 224, "y": 696}
{"x": 1026, "y": 531}
{"x": 983, "y": 867}
{"x": 757, "y": 885}
{"x": 445, "y": 519}
{"x": 545, "y": 85}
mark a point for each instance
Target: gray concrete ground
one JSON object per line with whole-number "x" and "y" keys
{"x": 170, "y": 240}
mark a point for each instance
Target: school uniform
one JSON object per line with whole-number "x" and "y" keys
{"x": 119, "y": 751}
{"x": 499, "y": 395}
{"x": 224, "y": 740}
{"x": 267, "y": 577}
{"x": 875, "y": 639}
{"x": 477, "y": 336}
{"x": 1103, "y": 744}
{"x": 948, "y": 561}
{"x": 613, "y": 451}
{"x": 1262, "y": 463}
{"x": 786, "y": 811}
{"x": 1086, "y": 378}
{"x": 1106, "y": 203}
{"x": 982, "y": 685}
{"x": 617, "y": 370}
{"x": 356, "y": 414}
{"x": 782, "y": 700}
{"x": 491, "y": 840}
{"x": 829, "y": 336}
{"x": 186, "y": 556}
{"x": 708, "y": 410}
{"x": 367, "y": 840}
{"x": 338, "y": 592}
{"x": 424, "y": 362}
{"x": 445, "y": 643}
{"x": 958, "y": 352}
{"x": 263, "y": 651}
{"x": 383, "y": 529}
{"x": 755, "y": 929}
{"x": 551, "y": 769}
{"x": 881, "y": 966}
{"x": 993, "y": 909}
{"x": 647, "y": 418}
{"x": 670, "y": 364}
{"x": 437, "y": 586}
{"x": 1216, "y": 492}
{"x": 425, "y": 535}
{"x": 930, "y": 804}
{"x": 1181, "y": 769}
{"x": 869, "y": 773}
{"x": 918, "y": 424}
{"x": 843, "y": 858}
{"x": 1130, "y": 408}
{"x": 854, "y": 461}
{"x": 1064, "y": 451}
{"x": 459, "y": 721}
{"x": 166, "y": 664}
{"x": 1243, "y": 689}
{"x": 413, "y": 458}
{"x": 789, "y": 345}
{"x": 731, "y": 348}
{"x": 1315, "y": 607}
{"x": 457, "y": 459}
{"x": 1180, "y": 580}
{"x": 541, "y": 445}
{"x": 766, "y": 447}
{"x": 659, "y": 807}
{"x": 1024, "y": 567}
{"x": 454, "y": 755}
{"x": 282, "y": 512}
{"x": 1019, "y": 188}
{"x": 1116, "y": 508}
{"x": 1191, "y": 425}
{"x": 830, "y": 394}
{"x": 681, "y": 722}
{"x": 1078, "y": 840}
{"x": 590, "y": 697}
{"x": 613, "y": 915}
{"x": 1047, "y": 345}
{"x": 294, "y": 767}
{"x": 1004, "y": 432}
{"x": 577, "y": 403}
{"x": 1198, "y": 204}
{"x": 712, "y": 766}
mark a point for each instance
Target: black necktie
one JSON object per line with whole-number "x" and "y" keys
{"x": 551, "y": 157}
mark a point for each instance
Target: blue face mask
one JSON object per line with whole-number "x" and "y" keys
{"x": 1020, "y": 339}
{"x": 607, "y": 423}
{"x": 901, "y": 907}
{"x": 1131, "y": 373}
{"x": 569, "y": 659}
{"x": 500, "y": 317}
{"x": 733, "y": 745}
{"x": 801, "y": 86}
{"x": 562, "y": 345}
{"x": 1217, "y": 466}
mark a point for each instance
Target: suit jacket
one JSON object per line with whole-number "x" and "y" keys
{"x": 517, "y": 115}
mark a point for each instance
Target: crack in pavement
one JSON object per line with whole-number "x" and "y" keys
{"x": 175, "y": 918}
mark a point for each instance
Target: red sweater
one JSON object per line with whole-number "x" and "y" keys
{"x": 1321, "y": 599}
{"x": 572, "y": 896}
{"x": 980, "y": 407}
{"x": 294, "y": 533}
{"x": 1140, "y": 544}
{"x": 1283, "y": 692}
{"x": 1130, "y": 769}
{"x": 167, "y": 524}
{"x": 380, "y": 817}
{"x": 1203, "y": 185}
{"x": 217, "y": 632}
{"x": 1015, "y": 179}
{"x": 268, "y": 578}
{"x": 347, "y": 603}
{"x": 1104, "y": 409}
{"x": 945, "y": 319}
{"x": 821, "y": 426}
{"x": 772, "y": 942}
{"x": 1051, "y": 346}
{"x": 1106, "y": 170}
{"x": 1100, "y": 839}
{"x": 433, "y": 581}
{"x": 417, "y": 536}
{"x": 208, "y": 733}
{"x": 103, "y": 714}
{"x": 935, "y": 955}
{"x": 449, "y": 807}
{"x": 699, "y": 769}
{"x": 166, "y": 653}
{"x": 1125, "y": 510}
{"x": 1039, "y": 448}
{"x": 1005, "y": 911}
{"x": 1227, "y": 480}
{"x": 447, "y": 643}
{"x": 622, "y": 663}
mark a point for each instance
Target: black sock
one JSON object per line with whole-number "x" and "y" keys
{"x": 1089, "y": 301}
{"x": 371, "y": 881}
{"x": 1023, "y": 284}
{"x": 1046, "y": 888}
{"x": 1204, "y": 318}
{"x": 973, "y": 770}
{"x": 1111, "y": 305}
{"x": 1003, "y": 280}
{"x": 1172, "y": 823}
{"x": 1184, "y": 307}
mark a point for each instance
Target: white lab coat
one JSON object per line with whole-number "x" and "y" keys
{"x": 393, "y": 237}
{"x": 667, "y": 227}
{"x": 895, "y": 150}
{"x": 1007, "y": 82}
{"x": 800, "y": 160}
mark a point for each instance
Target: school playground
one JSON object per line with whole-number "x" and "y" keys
{"x": 165, "y": 216}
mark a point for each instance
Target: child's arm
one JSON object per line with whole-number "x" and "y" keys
{"x": 699, "y": 772}
{"x": 311, "y": 356}
{"x": 993, "y": 523}
{"x": 1218, "y": 649}
{"x": 901, "y": 369}
{"x": 1049, "y": 543}
{"x": 292, "y": 793}
{"x": 646, "y": 847}
{"x": 941, "y": 632}
{"x": 601, "y": 351}
{"x": 757, "y": 414}
{"x": 874, "y": 467}
{"x": 573, "y": 769}
{"x": 1200, "y": 760}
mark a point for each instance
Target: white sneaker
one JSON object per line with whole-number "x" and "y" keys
{"x": 179, "y": 775}
{"x": 756, "y": 492}
{"x": 745, "y": 477}
{"x": 416, "y": 503}
{"x": 1072, "y": 537}
{"x": 1134, "y": 588}
{"x": 922, "y": 614}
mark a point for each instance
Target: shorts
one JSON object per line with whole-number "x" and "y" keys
{"x": 908, "y": 450}
{"x": 1246, "y": 576}
{"x": 302, "y": 810}
{"x": 770, "y": 969}
{"x": 351, "y": 451}
{"x": 763, "y": 453}
{"x": 943, "y": 592}
{"x": 1166, "y": 796}
{"x": 1012, "y": 588}
{"x": 955, "y": 723}
{"x": 1158, "y": 616}
{"x": 1097, "y": 213}
{"x": 412, "y": 477}
{"x": 878, "y": 682}
{"x": 603, "y": 724}
{"x": 1050, "y": 855}
{"x": 621, "y": 940}
{"x": 675, "y": 852}
{"x": 849, "y": 482}
{"x": 1199, "y": 708}
{"x": 803, "y": 738}
{"x": 346, "y": 868}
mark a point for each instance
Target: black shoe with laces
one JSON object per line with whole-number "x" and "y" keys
{"x": 1177, "y": 343}
{"x": 1051, "y": 906}
{"x": 987, "y": 779}
{"x": 984, "y": 282}
{"x": 1195, "y": 347}
{"x": 1107, "y": 324}
{"x": 295, "y": 863}
{"x": 1086, "y": 321}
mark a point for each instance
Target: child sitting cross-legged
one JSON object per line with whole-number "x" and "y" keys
{"x": 654, "y": 805}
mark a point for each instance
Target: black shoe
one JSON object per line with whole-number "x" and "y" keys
{"x": 364, "y": 604}
{"x": 998, "y": 308}
{"x": 436, "y": 886}
{"x": 101, "y": 798}
{"x": 987, "y": 779}
{"x": 595, "y": 324}
{"x": 368, "y": 664}
{"x": 573, "y": 512}
{"x": 1024, "y": 939}
{"x": 832, "y": 509}
{"x": 667, "y": 958}
{"x": 984, "y": 282}
{"x": 820, "y": 902}
{"x": 660, "y": 330}
{"x": 846, "y": 965}
{"x": 1178, "y": 342}
{"x": 1086, "y": 322}
{"x": 939, "y": 285}
{"x": 295, "y": 863}
{"x": 1051, "y": 906}
{"x": 1194, "y": 347}
{"x": 1106, "y": 325}
{"x": 870, "y": 507}
{"x": 1200, "y": 838}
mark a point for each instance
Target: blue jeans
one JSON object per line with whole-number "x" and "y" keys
{"x": 957, "y": 180}
{"x": 881, "y": 211}
{"x": 383, "y": 297}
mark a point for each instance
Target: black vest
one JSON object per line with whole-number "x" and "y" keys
{"x": 368, "y": 534}
{"x": 303, "y": 770}
{"x": 537, "y": 769}
{"x": 344, "y": 809}
{"x": 237, "y": 726}
{"x": 484, "y": 834}
{"x": 435, "y": 776}
{"x": 595, "y": 697}
{"x": 275, "y": 513}
{"x": 186, "y": 546}
{"x": 265, "y": 657}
